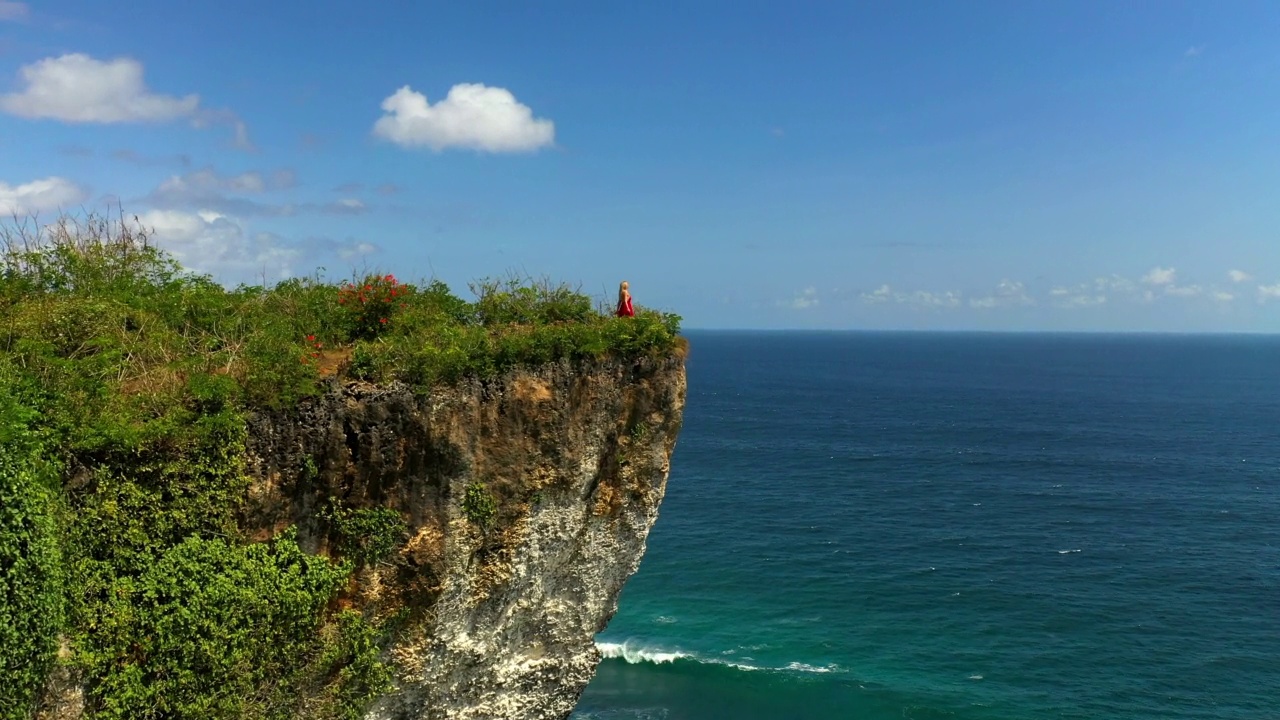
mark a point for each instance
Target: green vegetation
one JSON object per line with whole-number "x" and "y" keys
{"x": 31, "y": 592}
{"x": 366, "y": 535}
{"x": 479, "y": 505}
{"x": 124, "y": 388}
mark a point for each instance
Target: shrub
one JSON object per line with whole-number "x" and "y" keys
{"x": 366, "y": 535}
{"x": 478, "y": 505}
{"x": 371, "y": 304}
{"x": 210, "y": 630}
{"x": 31, "y": 608}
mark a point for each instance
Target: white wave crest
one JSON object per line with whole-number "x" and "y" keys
{"x": 636, "y": 654}
{"x": 805, "y": 667}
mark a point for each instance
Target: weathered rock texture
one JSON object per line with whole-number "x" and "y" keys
{"x": 498, "y": 622}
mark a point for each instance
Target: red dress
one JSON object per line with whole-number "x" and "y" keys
{"x": 624, "y": 308}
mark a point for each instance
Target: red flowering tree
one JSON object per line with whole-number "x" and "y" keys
{"x": 370, "y": 305}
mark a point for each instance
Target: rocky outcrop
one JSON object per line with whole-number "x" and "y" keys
{"x": 497, "y": 605}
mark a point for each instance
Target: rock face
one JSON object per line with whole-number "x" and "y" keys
{"x": 496, "y": 614}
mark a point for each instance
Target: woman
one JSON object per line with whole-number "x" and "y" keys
{"x": 624, "y": 301}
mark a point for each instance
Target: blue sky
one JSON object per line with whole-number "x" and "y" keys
{"x": 912, "y": 165}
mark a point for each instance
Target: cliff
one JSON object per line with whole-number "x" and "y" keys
{"x": 316, "y": 501}
{"x": 495, "y": 616}
{"x": 501, "y": 618}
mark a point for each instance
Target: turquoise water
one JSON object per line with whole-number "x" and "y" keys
{"x": 919, "y": 526}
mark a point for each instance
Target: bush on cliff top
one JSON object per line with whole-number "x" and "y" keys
{"x": 31, "y": 601}
{"x": 124, "y": 383}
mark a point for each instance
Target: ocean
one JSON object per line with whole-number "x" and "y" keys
{"x": 962, "y": 526}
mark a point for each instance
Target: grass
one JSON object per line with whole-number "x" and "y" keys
{"x": 125, "y": 382}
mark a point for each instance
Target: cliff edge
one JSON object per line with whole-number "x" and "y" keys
{"x": 316, "y": 500}
{"x": 499, "y": 612}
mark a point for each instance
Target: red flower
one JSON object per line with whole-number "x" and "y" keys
{"x": 311, "y": 338}
{"x": 383, "y": 321}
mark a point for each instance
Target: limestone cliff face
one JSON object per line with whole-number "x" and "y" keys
{"x": 496, "y": 619}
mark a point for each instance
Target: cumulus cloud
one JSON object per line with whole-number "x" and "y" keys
{"x": 76, "y": 88}
{"x": 472, "y": 116}
{"x": 804, "y": 299}
{"x": 208, "y": 179}
{"x": 880, "y": 295}
{"x": 1222, "y": 296}
{"x": 919, "y": 298}
{"x": 207, "y": 189}
{"x": 1239, "y": 276}
{"x": 1266, "y": 292}
{"x": 1183, "y": 290}
{"x": 1085, "y": 294}
{"x": 13, "y": 11}
{"x": 1160, "y": 276}
{"x": 1008, "y": 293}
{"x": 209, "y": 242}
{"x": 929, "y": 299}
{"x": 1114, "y": 283}
{"x": 345, "y": 206}
{"x": 49, "y": 194}
{"x": 1081, "y": 301}
{"x": 345, "y": 250}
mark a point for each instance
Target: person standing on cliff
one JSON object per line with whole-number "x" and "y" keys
{"x": 624, "y": 301}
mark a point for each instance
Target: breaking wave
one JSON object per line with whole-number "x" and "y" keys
{"x": 636, "y": 654}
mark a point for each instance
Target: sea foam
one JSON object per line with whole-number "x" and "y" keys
{"x": 635, "y": 654}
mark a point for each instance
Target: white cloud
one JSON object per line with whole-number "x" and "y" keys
{"x": 1114, "y": 283}
{"x": 359, "y": 249}
{"x": 13, "y": 11}
{"x": 472, "y": 116}
{"x": 222, "y": 246}
{"x": 1194, "y": 51}
{"x": 1268, "y": 291}
{"x": 76, "y": 88}
{"x": 209, "y": 180}
{"x": 881, "y": 294}
{"x": 49, "y": 194}
{"x": 1183, "y": 290}
{"x": 1221, "y": 296}
{"x": 1059, "y": 292}
{"x": 1239, "y": 276}
{"x": 1081, "y": 301}
{"x": 206, "y": 189}
{"x": 919, "y": 298}
{"x": 209, "y": 242}
{"x": 928, "y": 299}
{"x": 804, "y": 299}
{"x": 1008, "y": 293}
{"x": 1160, "y": 276}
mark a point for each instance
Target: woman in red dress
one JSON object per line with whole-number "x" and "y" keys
{"x": 624, "y": 301}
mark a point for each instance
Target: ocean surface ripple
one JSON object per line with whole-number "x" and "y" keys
{"x": 959, "y": 526}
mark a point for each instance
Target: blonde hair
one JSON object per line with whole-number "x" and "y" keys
{"x": 622, "y": 291}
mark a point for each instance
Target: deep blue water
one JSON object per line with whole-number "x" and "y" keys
{"x": 916, "y": 526}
